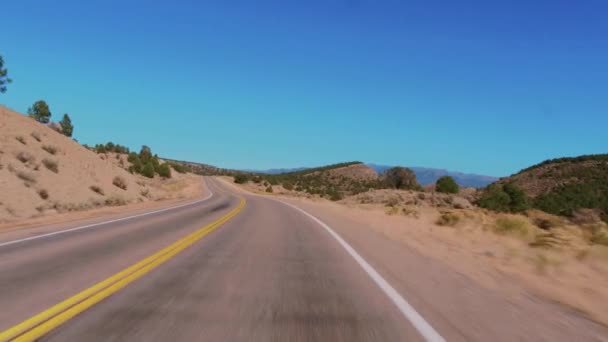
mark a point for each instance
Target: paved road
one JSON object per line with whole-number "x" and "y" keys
{"x": 270, "y": 273}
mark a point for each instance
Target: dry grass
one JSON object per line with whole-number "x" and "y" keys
{"x": 96, "y": 189}
{"x": 36, "y": 136}
{"x": 115, "y": 201}
{"x": 511, "y": 225}
{"x": 43, "y": 194}
{"x": 120, "y": 182}
{"x": 24, "y": 157}
{"x": 21, "y": 139}
{"x": 448, "y": 219}
{"x": 145, "y": 193}
{"x": 50, "y": 149}
{"x": 51, "y": 165}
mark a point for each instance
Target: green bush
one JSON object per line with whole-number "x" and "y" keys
{"x": 446, "y": 184}
{"x": 148, "y": 170}
{"x": 164, "y": 170}
{"x": 179, "y": 168}
{"x": 241, "y": 178}
{"x": 269, "y": 189}
{"x": 504, "y": 198}
{"x": 400, "y": 178}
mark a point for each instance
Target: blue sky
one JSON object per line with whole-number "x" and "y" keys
{"x": 475, "y": 86}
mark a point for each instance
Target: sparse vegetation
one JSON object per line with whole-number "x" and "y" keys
{"x": 269, "y": 189}
{"x": 115, "y": 201}
{"x": 36, "y": 136}
{"x": 96, "y": 189}
{"x": 50, "y": 149}
{"x": 43, "y": 194}
{"x": 51, "y": 165}
{"x": 241, "y": 179}
{"x": 110, "y": 147}
{"x": 21, "y": 139}
{"x": 24, "y": 157}
{"x": 511, "y": 225}
{"x": 179, "y": 168}
{"x": 40, "y": 112}
{"x": 147, "y": 164}
{"x": 448, "y": 219}
{"x": 564, "y": 186}
{"x": 120, "y": 182}
{"x": 446, "y": 184}
{"x": 27, "y": 177}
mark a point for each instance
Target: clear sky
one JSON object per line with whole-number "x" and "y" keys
{"x": 477, "y": 86}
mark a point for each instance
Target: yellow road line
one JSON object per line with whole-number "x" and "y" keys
{"x": 51, "y": 318}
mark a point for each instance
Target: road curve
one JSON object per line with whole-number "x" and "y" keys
{"x": 269, "y": 273}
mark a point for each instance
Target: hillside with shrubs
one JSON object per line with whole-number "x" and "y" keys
{"x": 43, "y": 171}
{"x": 564, "y": 186}
{"x": 334, "y": 181}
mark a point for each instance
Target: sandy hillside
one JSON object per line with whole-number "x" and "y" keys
{"x": 43, "y": 172}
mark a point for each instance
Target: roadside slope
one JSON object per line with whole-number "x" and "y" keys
{"x": 44, "y": 172}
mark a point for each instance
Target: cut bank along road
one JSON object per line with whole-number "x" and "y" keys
{"x": 268, "y": 273}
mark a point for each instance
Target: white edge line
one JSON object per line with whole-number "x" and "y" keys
{"x": 423, "y": 327}
{"x": 110, "y": 221}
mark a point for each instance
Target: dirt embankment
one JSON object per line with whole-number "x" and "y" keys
{"x": 43, "y": 172}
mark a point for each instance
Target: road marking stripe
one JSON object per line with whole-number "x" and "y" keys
{"x": 110, "y": 221}
{"x": 51, "y": 318}
{"x": 423, "y": 327}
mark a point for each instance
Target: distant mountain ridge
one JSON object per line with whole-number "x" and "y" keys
{"x": 424, "y": 175}
{"x": 428, "y": 176}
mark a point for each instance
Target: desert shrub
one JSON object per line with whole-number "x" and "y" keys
{"x": 96, "y": 189}
{"x": 400, "y": 178}
{"x": 269, "y": 189}
{"x": 504, "y": 198}
{"x": 241, "y": 178}
{"x": 288, "y": 186}
{"x": 446, "y": 184}
{"x": 179, "y": 168}
{"x": 43, "y": 194}
{"x": 508, "y": 225}
{"x": 334, "y": 195}
{"x": 120, "y": 182}
{"x": 164, "y": 171}
{"x": 145, "y": 192}
{"x": 147, "y": 170}
{"x": 55, "y": 127}
{"x": 115, "y": 201}
{"x": 29, "y": 178}
{"x": 24, "y": 157}
{"x": 51, "y": 165}
{"x": 50, "y": 149}
{"x": 100, "y": 148}
{"x": 21, "y": 139}
{"x": 600, "y": 239}
{"x": 448, "y": 219}
{"x": 391, "y": 201}
{"x": 36, "y": 136}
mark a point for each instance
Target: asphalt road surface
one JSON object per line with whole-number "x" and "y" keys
{"x": 270, "y": 273}
{"x": 246, "y": 268}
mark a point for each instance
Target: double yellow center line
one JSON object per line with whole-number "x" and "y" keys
{"x": 40, "y": 324}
